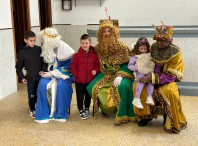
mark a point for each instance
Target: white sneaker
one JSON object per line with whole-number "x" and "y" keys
{"x": 136, "y": 102}
{"x": 32, "y": 113}
{"x": 150, "y": 100}
{"x": 60, "y": 120}
{"x": 42, "y": 121}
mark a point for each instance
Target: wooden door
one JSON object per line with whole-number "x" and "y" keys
{"x": 45, "y": 14}
{"x": 21, "y": 18}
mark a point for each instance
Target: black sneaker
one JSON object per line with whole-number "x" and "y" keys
{"x": 142, "y": 123}
{"x": 32, "y": 114}
{"x": 87, "y": 112}
{"x": 82, "y": 115}
{"x": 164, "y": 116}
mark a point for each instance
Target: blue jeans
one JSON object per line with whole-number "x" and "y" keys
{"x": 32, "y": 93}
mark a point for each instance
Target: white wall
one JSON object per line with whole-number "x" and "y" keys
{"x": 71, "y": 35}
{"x": 8, "y": 84}
{"x": 129, "y": 12}
{"x": 5, "y": 16}
{"x": 34, "y": 12}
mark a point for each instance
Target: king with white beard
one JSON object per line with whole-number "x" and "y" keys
{"x": 54, "y": 92}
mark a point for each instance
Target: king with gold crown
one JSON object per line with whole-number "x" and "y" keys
{"x": 54, "y": 91}
{"x": 111, "y": 89}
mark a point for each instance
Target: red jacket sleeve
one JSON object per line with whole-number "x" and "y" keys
{"x": 74, "y": 65}
{"x": 96, "y": 65}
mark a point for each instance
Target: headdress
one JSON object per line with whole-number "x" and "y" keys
{"x": 51, "y": 40}
{"x": 143, "y": 41}
{"x": 107, "y": 22}
{"x": 50, "y": 33}
{"x": 163, "y": 32}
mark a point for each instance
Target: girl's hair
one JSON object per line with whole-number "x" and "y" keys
{"x": 140, "y": 42}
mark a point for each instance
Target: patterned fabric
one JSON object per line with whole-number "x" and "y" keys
{"x": 168, "y": 71}
{"x": 176, "y": 120}
{"x": 106, "y": 23}
{"x": 120, "y": 57}
{"x": 167, "y": 97}
{"x": 102, "y": 89}
{"x": 163, "y": 32}
{"x": 155, "y": 78}
{"x": 164, "y": 55}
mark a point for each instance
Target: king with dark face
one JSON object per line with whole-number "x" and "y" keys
{"x": 168, "y": 71}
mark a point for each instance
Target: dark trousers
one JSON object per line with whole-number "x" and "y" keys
{"x": 32, "y": 93}
{"x": 81, "y": 92}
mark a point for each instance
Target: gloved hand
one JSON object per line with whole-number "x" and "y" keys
{"x": 58, "y": 74}
{"x": 117, "y": 81}
{"x": 46, "y": 75}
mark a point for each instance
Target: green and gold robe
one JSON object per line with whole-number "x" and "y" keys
{"x": 113, "y": 100}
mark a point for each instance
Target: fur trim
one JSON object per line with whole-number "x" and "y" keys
{"x": 145, "y": 63}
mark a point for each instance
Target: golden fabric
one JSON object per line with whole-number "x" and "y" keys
{"x": 174, "y": 67}
{"x": 110, "y": 102}
{"x": 148, "y": 111}
{"x": 166, "y": 95}
{"x": 169, "y": 98}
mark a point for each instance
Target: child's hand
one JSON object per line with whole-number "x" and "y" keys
{"x": 41, "y": 72}
{"x": 24, "y": 81}
{"x": 93, "y": 72}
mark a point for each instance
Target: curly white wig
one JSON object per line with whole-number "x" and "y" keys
{"x": 51, "y": 40}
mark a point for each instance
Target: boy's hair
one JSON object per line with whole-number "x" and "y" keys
{"x": 140, "y": 42}
{"x": 84, "y": 37}
{"x": 29, "y": 34}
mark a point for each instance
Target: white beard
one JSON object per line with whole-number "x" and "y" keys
{"x": 48, "y": 47}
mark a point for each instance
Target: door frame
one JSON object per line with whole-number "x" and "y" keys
{"x": 46, "y": 15}
{"x": 28, "y": 26}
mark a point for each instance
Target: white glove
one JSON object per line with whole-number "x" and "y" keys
{"x": 24, "y": 71}
{"x": 117, "y": 81}
{"x": 46, "y": 75}
{"x": 58, "y": 74}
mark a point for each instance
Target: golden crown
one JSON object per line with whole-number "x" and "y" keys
{"x": 106, "y": 23}
{"x": 52, "y": 35}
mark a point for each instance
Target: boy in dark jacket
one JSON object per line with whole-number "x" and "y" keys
{"x": 84, "y": 66}
{"x": 29, "y": 57}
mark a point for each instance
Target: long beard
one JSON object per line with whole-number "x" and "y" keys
{"x": 108, "y": 46}
{"x": 48, "y": 52}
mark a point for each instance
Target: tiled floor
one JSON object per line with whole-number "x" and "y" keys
{"x": 18, "y": 128}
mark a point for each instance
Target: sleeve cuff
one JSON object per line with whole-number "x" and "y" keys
{"x": 125, "y": 75}
{"x": 155, "y": 78}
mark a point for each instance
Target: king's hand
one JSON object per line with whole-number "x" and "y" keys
{"x": 117, "y": 81}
